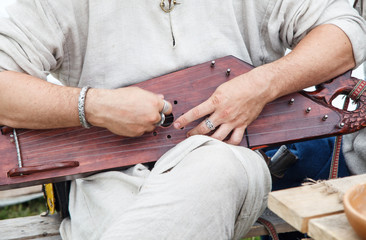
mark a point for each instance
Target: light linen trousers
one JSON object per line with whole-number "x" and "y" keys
{"x": 200, "y": 189}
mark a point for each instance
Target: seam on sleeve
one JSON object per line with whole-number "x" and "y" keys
{"x": 264, "y": 29}
{"x": 49, "y": 12}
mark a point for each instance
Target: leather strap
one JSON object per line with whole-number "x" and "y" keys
{"x": 270, "y": 228}
{"x": 334, "y": 166}
{"x": 355, "y": 94}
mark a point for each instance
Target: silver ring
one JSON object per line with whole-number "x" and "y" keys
{"x": 209, "y": 124}
{"x": 162, "y": 120}
{"x": 165, "y": 107}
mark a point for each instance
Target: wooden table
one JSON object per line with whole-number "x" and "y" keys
{"x": 312, "y": 210}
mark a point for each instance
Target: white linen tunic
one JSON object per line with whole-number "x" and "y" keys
{"x": 117, "y": 43}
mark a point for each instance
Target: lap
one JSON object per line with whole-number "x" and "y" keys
{"x": 200, "y": 185}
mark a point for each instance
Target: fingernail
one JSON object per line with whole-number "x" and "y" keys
{"x": 176, "y": 125}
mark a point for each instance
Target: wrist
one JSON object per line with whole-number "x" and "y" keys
{"x": 265, "y": 82}
{"x": 93, "y": 107}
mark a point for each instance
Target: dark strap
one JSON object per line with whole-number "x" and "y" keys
{"x": 334, "y": 166}
{"x": 355, "y": 94}
{"x": 270, "y": 228}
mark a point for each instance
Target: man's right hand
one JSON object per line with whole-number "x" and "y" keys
{"x": 129, "y": 111}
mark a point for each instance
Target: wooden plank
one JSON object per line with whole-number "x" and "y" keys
{"x": 55, "y": 237}
{"x": 33, "y": 227}
{"x": 47, "y": 228}
{"x": 16, "y": 196}
{"x": 334, "y": 227}
{"x": 298, "y": 205}
{"x": 13, "y": 193}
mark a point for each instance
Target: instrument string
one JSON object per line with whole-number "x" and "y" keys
{"x": 146, "y": 138}
{"x": 80, "y": 133}
{"x": 99, "y": 153}
{"x": 291, "y": 129}
{"x": 30, "y": 134}
{"x": 73, "y": 144}
{"x": 25, "y": 131}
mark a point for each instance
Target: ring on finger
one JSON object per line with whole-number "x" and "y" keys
{"x": 209, "y": 124}
{"x": 162, "y": 120}
{"x": 165, "y": 107}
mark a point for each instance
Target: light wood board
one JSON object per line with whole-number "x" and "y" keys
{"x": 332, "y": 227}
{"x": 313, "y": 209}
{"x": 298, "y": 205}
{"x": 33, "y": 227}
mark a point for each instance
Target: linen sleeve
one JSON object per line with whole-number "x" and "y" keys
{"x": 31, "y": 40}
{"x": 354, "y": 151}
{"x": 291, "y": 20}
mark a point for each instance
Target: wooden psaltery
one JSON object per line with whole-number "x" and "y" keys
{"x": 42, "y": 156}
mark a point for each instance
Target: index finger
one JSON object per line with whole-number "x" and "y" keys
{"x": 193, "y": 114}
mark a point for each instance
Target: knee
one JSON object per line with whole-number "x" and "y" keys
{"x": 217, "y": 165}
{"x": 227, "y": 166}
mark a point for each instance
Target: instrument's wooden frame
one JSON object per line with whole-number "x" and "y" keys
{"x": 64, "y": 154}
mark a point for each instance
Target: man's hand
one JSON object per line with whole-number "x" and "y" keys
{"x": 323, "y": 54}
{"x": 231, "y": 108}
{"x": 129, "y": 111}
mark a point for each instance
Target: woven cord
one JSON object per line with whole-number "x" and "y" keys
{"x": 334, "y": 166}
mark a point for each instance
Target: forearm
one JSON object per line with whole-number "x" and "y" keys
{"x": 29, "y": 102}
{"x": 324, "y": 53}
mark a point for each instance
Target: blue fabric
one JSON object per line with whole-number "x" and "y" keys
{"x": 314, "y": 162}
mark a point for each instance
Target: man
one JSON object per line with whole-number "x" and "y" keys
{"x": 202, "y": 188}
